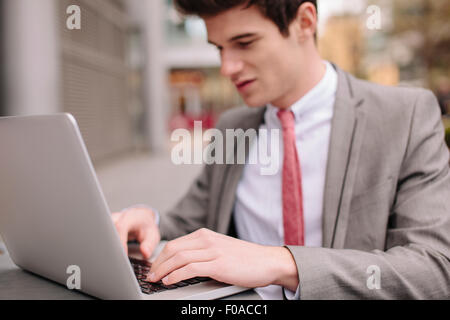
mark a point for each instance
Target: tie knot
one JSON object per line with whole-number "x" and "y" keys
{"x": 287, "y": 118}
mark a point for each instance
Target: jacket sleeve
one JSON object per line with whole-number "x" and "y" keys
{"x": 416, "y": 261}
{"x": 191, "y": 211}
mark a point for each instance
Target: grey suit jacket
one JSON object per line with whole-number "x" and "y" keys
{"x": 386, "y": 203}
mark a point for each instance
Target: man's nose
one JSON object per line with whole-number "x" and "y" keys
{"x": 230, "y": 64}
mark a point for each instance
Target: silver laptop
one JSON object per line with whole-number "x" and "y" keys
{"x": 55, "y": 221}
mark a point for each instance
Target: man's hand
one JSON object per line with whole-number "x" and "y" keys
{"x": 138, "y": 224}
{"x": 208, "y": 254}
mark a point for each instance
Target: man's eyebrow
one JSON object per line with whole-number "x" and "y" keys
{"x": 238, "y": 37}
{"x": 245, "y": 35}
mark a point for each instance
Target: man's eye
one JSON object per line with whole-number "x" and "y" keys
{"x": 245, "y": 44}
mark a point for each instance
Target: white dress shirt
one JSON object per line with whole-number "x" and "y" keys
{"x": 258, "y": 213}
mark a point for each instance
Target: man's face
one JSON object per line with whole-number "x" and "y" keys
{"x": 264, "y": 65}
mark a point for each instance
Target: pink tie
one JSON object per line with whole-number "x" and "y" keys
{"x": 292, "y": 184}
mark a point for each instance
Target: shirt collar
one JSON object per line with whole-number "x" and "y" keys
{"x": 315, "y": 99}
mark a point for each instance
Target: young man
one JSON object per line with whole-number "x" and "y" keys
{"x": 360, "y": 207}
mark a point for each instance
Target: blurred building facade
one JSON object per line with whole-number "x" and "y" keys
{"x": 410, "y": 47}
{"x": 108, "y": 74}
{"x": 342, "y": 42}
{"x": 93, "y": 75}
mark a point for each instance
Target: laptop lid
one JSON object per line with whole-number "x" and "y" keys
{"x": 52, "y": 208}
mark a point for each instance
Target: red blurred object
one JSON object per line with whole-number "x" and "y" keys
{"x": 180, "y": 121}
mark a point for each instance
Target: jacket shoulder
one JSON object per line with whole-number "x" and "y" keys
{"x": 390, "y": 99}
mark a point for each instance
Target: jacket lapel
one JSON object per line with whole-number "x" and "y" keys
{"x": 345, "y": 143}
{"x": 232, "y": 173}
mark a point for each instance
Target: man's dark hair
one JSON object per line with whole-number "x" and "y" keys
{"x": 281, "y": 12}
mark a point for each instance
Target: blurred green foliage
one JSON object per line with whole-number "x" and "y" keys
{"x": 446, "y": 121}
{"x": 447, "y": 136}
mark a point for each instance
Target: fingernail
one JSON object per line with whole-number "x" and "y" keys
{"x": 151, "y": 277}
{"x": 165, "y": 280}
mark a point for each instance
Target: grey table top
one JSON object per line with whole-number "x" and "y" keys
{"x": 17, "y": 284}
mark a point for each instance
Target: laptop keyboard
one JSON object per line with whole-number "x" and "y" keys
{"x": 141, "y": 269}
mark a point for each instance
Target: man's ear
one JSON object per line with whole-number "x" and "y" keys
{"x": 305, "y": 23}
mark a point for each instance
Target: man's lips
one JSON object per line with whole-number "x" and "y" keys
{"x": 244, "y": 84}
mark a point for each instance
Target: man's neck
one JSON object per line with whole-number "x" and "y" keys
{"x": 315, "y": 72}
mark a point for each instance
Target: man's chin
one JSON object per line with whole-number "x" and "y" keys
{"x": 254, "y": 103}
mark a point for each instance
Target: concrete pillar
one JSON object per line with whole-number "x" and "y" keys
{"x": 149, "y": 15}
{"x": 31, "y": 57}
